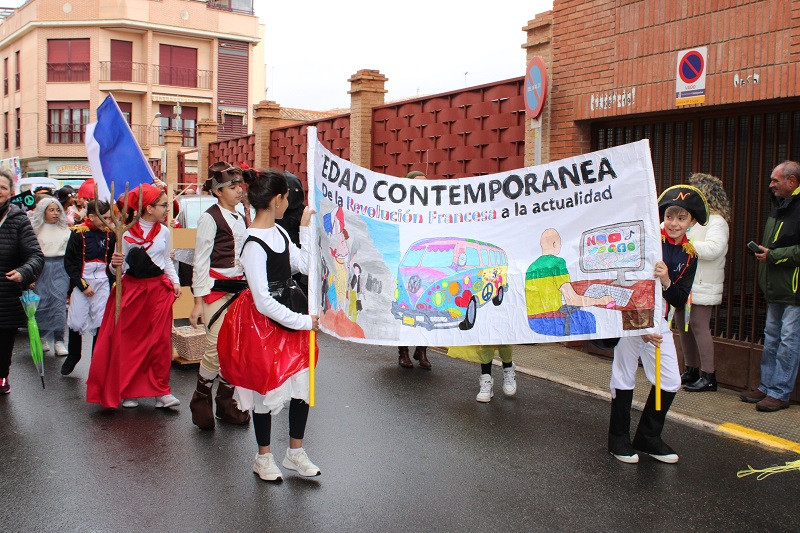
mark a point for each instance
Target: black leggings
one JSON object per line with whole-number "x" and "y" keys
{"x": 486, "y": 368}
{"x": 298, "y": 415}
{"x": 6, "y": 347}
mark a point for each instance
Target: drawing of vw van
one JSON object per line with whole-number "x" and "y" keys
{"x": 441, "y": 282}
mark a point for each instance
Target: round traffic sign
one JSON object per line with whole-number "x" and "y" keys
{"x": 691, "y": 66}
{"x": 535, "y": 86}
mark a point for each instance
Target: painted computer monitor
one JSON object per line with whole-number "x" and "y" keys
{"x": 614, "y": 248}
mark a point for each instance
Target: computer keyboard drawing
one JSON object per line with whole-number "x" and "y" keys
{"x": 620, "y": 295}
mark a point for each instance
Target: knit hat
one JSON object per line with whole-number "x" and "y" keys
{"x": 687, "y": 197}
{"x": 413, "y": 174}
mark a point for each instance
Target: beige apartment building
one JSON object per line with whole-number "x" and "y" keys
{"x": 59, "y": 60}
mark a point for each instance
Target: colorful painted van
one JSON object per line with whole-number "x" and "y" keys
{"x": 441, "y": 282}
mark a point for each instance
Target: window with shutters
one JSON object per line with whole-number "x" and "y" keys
{"x": 121, "y": 60}
{"x": 66, "y": 122}
{"x": 5, "y": 130}
{"x": 17, "y": 139}
{"x": 177, "y": 66}
{"x": 5, "y": 76}
{"x": 127, "y": 109}
{"x": 16, "y": 76}
{"x": 67, "y": 60}
{"x": 187, "y": 125}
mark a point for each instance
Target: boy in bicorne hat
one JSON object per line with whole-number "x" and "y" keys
{"x": 680, "y": 207}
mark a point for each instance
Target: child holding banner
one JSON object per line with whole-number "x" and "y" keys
{"x": 681, "y": 206}
{"x": 263, "y": 345}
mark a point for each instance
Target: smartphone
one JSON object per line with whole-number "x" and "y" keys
{"x": 753, "y": 247}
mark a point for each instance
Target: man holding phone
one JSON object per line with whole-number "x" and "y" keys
{"x": 778, "y": 271}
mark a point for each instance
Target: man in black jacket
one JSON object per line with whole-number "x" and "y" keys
{"x": 778, "y": 270}
{"x": 21, "y": 262}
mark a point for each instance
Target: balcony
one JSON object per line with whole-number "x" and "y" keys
{"x": 183, "y": 77}
{"x": 65, "y": 133}
{"x": 234, "y": 6}
{"x": 67, "y": 72}
{"x": 123, "y": 71}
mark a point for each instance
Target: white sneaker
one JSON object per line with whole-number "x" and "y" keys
{"x": 61, "y": 350}
{"x": 130, "y": 403}
{"x": 45, "y": 347}
{"x": 300, "y": 462}
{"x": 265, "y": 467}
{"x": 510, "y": 380}
{"x": 486, "y": 382}
{"x": 168, "y": 400}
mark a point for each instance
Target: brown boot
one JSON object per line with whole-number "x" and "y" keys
{"x": 402, "y": 357}
{"x": 227, "y": 408}
{"x": 421, "y": 355}
{"x": 200, "y": 406}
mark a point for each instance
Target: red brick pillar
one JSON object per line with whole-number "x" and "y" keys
{"x": 366, "y": 92}
{"x": 540, "y": 43}
{"x": 266, "y": 117}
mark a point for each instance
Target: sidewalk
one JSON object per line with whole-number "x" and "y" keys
{"x": 720, "y": 411}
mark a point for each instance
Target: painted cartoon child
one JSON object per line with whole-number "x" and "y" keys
{"x": 553, "y": 305}
{"x": 340, "y": 251}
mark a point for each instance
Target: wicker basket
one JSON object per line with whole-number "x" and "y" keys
{"x": 189, "y": 342}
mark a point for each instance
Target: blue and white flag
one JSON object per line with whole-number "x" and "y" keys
{"x": 113, "y": 153}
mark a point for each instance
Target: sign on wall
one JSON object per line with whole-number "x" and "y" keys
{"x": 553, "y": 252}
{"x": 690, "y": 77}
{"x": 535, "y": 86}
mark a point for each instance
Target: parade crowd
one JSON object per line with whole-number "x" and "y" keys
{"x": 250, "y": 290}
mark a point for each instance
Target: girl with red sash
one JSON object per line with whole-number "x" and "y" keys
{"x": 263, "y": 345}
{"x": 132, "y": 356}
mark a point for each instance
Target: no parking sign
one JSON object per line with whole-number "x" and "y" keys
{"x": 535, "y": 86}
{"x": 690, "y": 77}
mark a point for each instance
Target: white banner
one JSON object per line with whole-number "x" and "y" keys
{"x": 556, "y": 252}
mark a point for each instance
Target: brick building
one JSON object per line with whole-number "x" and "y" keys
{"x": 59, "y": 61}
{"x": 614, "y": 70}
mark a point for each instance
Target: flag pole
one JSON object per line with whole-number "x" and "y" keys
{"x": 312, "y": 342}
{"x": 658, "y": 378}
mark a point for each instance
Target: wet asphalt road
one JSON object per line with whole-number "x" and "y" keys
{"x": 399, "y": 450}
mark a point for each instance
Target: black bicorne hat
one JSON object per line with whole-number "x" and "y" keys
{"x": 687, "y": 197}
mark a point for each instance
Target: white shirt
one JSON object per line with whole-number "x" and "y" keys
{"x": 206, "y": 232}
{"x": 254, "y": 262}
{"x": 158, "y": 252}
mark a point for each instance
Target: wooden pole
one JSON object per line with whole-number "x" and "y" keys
{"x": 118, "y": 228}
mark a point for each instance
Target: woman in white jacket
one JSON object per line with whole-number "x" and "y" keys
{"x": 711, "y": 243}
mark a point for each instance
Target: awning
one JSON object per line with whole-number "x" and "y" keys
{"x": 174, "y": 98}
{"x": 228, "y": 110}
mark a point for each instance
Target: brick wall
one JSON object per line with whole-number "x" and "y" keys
{"x": 470, "y": 132}
{"x": 629, "y": 48}
{"x": 234, "y": 151}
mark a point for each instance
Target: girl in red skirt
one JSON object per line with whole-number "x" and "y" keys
{"x": 132, "y": 356}
{"x": 263, "y": 345}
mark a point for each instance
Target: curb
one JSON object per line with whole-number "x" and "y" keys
{"x": 727, "y": 429}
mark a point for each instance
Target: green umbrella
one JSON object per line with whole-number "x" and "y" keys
{"x": 30, "y": 301}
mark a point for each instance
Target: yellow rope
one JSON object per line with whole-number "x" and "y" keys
{"x": 766, "y": 472}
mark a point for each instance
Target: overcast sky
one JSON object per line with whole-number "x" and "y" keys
{"x": 422, "y": 46}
